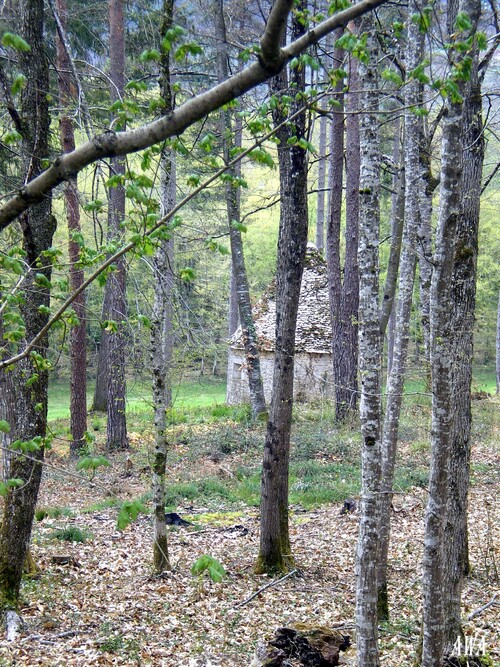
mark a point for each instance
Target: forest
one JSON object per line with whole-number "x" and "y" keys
{"x": 249, "y": 333}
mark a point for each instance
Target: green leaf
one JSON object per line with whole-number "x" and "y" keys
{"x": 42, "y": 281}
{"x": 261, "y": 156}
{"x": 187, "y": 275}
{"x": 193, "y": 180}
{"x": 137, "y": 86}
{"x": 348, "y": 42}
{"x": 150, "y": 55}
{"x": 129, "y": 512}
{"x": 337, "y": 6}
{"x": 463, "y": 22}
{"x": 92, "y": 463}
{"x": 239, "y": 226}
{"x": 94, "y": 206}
{"x": 188, "y": 49}
{"x": 18, "y": 84}
{"x": 10, "y": 484}
{"x": 4, "y": 426}
{"x": 11, "y": 137}
{"x": 481, "y": 41}
{"x": 208, "y": 564}
{"x": 206, "y": 143}
{"x": 390, "y": 75}
{"x": 171, "y": 36}
{"x": 114, "y": 181}
{"x": 10, "y": 39}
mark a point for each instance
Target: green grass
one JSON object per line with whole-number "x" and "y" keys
{"x": 71, "y": 534}
{"x": 192, "y": 395}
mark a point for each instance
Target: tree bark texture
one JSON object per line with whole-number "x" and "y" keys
{"x": 323, "y": 172}
{"x": 414, "y": 174}
{"x": 252, "y": 356}
{"x": 463, "y": 297}
{"x": 397, "y": 219}
{"x": 498, "y": 347}
{"x": 116, "y": 283}
{"x": 31, "y": 379}
{"x": 436, "y": 589}
{"x": 275, "y": 551}
{"x": 345, "y": 330}
{"x": 161, "y": 323}
{"x": 369, "y": 358}
{"x": 78, "y": 347}
{"x": 271, "y": 60}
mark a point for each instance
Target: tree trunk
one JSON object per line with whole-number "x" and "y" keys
{"x": 437, "y": 590}
{"x": 369, "y": 358}
{"x": 30, "y": 399}
{"x": 275, "y": 551}
{"x": 462, "y": 315}
{"x": 345, "y": 333}
{"x": 498, "y": 347}
{"x": 78, "y": 348}
{"x": 252, "y": 356}
{"x": 414, "y": 176}
{"x": 335, "y": 185}
{"x": 161, "y": 322}
{"x": 397, "y": 220}
{"x": 116, "y": 283}
{"x": 322, "y": 159}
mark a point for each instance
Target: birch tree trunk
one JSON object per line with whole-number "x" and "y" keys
{"x": 414, "y": 185}
{"x": 116, "y": 283}
{"x": 161, "y": 321}
{"x": 436, "y": 589}
{"x": 275, "y": 551}
{"x": 464, "y": 300}
{"x": 30, "y": 399}
{"x": 369, "y": 358}
{"x": 78, "y": 347}
{"x": 252, "y": 356}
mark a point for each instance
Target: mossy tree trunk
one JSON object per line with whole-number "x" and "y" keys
{"x": 31, "y": 378}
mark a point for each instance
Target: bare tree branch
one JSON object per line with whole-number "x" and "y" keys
{"x": 111, "y": 143}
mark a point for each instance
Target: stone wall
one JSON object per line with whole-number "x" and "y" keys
{"x": 313, "y": 377}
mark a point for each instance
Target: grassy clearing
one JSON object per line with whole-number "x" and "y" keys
{"x": 216, "y": 452}
{"x": 188, "y": 395}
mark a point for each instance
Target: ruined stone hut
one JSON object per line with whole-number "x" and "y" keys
{"x": 313, "y": 376}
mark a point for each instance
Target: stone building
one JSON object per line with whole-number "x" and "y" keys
{"x": 313, "y": 376}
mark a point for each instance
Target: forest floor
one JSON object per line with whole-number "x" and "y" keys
{"x": 102, "y": 605}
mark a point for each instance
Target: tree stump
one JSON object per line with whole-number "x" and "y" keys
{"x": 307, "y": 644}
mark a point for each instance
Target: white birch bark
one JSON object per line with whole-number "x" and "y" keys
{"x": 435, "y": 588}
{"x": 414, "y": 183}
{"x": 369, "y": 358}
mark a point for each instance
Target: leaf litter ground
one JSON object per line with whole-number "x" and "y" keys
{"x": 98, "y": 602}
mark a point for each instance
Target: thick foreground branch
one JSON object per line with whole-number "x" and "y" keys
{"x": 110, "y": 144}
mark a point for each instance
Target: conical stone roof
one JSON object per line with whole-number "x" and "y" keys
{"x": 314, "y": 329}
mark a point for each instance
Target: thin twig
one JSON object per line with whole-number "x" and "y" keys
{"x": 475, "y": 613}
{"x": 48, "y": 638}
{"x": 269, "y": 585}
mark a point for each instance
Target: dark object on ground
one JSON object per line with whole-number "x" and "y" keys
{"x": 480, "y": 395}
{"x": 173, "y": 519}
{"x": 349, "y": 506}
{"x": 311, "y": 645}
